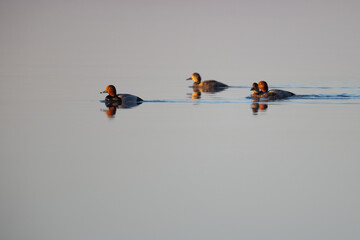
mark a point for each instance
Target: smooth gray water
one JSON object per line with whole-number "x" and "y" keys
{"x": 217, "y": 167}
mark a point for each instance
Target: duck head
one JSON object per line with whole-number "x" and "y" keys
{"x": 196, "y": 77}
{"x": 111, "y": 90}
{"x": 263, "y": 86}
{"x": 255, "y": 88}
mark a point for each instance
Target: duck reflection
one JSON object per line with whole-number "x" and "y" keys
{"x": 110, "y": 112}
{"x": 256, "y": 106}
{"x": 112, "y": 107}
{"x": 196, "y": 94}
{"x": 198, "y": 91}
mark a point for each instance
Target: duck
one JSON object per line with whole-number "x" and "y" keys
{"x": 273, "y": 93}
{"x": 256, "y": 91}
{"x": 120, "y": 100}
{"x": 208, "y": 85}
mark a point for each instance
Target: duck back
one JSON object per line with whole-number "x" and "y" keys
{"x": 209, "y": 86}
{"x": 212, "y": 83}
{"x": 281, "y": 93}
{"x": 276, "y": 94}
{"x": 123, "y": 98}
{"x": 128, "y": 98}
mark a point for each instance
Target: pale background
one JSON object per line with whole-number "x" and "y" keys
{"x": 179, "y": 168}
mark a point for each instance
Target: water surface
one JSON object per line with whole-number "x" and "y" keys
{"x": 217, "y": 167}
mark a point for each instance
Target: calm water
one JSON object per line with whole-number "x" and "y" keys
{"x": 217, "y": 167}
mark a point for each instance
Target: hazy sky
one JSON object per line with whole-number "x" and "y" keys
{"x": 307, "y": 38}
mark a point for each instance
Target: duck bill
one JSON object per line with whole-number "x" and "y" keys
{"x": 104, "y": 91}
{"x": 252, "y": 89}
{"x": 189, "y": 78}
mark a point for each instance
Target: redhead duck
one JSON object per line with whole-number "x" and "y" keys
{"x": 124, "y": 100}
{"x": 208, "y": 85}
{"x": 274, "y": 93}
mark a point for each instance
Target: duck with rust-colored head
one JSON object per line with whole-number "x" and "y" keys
{"x": 273, "y": 93}
{"x": 120, "y": 100}
{"x": 208, "y": 85}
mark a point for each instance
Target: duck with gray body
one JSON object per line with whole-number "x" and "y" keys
{"x": 120, "y": 100}
{"x": 208, "y": 85}
{"x": 257, "y": 93}
{"x": 261, "y": 91}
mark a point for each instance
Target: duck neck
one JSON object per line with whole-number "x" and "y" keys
{"x": 257, "y": 92}
{"x": 112, "y": 98}
{"x": 197, "y": 79}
